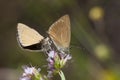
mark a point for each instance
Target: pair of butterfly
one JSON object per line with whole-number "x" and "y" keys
{"x": 59, "y": 33}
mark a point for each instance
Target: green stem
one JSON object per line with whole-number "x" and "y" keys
{"x": 62, "y": 75}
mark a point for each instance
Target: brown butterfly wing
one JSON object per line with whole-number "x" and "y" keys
{"x": 60, "y": 32}
{"x": 28, "y": 36}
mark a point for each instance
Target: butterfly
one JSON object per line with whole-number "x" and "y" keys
{"x": 59, "y": 33}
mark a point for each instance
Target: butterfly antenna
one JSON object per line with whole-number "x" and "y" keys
{"x": 78, "y": 47}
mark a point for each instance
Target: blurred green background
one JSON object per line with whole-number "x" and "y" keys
{"x": 95, "y": 39}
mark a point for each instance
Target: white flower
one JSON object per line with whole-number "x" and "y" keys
{"x": 51, "y": 54}
{"x": 30, "y": 72}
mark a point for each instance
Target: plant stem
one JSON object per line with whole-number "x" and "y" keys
{"x": 62, "y": 75}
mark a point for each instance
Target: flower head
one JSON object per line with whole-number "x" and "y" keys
{"x": 31, "y": 73}
{"x": 56, "y": 61}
